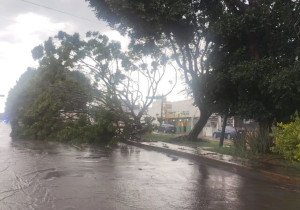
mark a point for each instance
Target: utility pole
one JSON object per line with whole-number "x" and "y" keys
{"x": 162, "y": 98}
{"x": 162, "y": 108}
{"x": 1, "y": 96}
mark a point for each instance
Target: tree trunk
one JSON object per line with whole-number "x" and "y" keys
{"x": 193, "y": 135}
{"x": 266, "y": 140}
{"x": 223, "y": 130}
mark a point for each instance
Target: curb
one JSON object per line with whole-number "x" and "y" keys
{"x": 247, "y": 171}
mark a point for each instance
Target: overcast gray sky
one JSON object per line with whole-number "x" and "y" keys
{"x": 24, "y": 25}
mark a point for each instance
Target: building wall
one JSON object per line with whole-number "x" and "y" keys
{"x": 155, "y": 109}
{"x": 184, "y": 115}
{"x": 175, "y": 109}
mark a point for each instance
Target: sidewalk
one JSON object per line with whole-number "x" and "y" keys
{"x": 242, "y": 166}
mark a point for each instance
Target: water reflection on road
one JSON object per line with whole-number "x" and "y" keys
{"x": 41, "y": 175}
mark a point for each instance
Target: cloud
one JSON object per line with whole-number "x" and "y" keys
{"x": 75, "y": 12}
{"x": 16, "y": 42}
{"x": 24, "y": 31}
{"x": 31, "y": 27}
{"x": 24, "y": 26}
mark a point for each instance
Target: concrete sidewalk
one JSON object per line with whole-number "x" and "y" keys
{"x": 242, "y": 166}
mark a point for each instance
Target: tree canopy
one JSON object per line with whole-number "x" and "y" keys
{"x": 44, "y": 100}
{"x": 125, "y": 81}
{"x": 58, "y": 94}
{"x": 241, "y": 56}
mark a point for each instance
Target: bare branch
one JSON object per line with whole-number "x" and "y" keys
{"x": 202, "y": 57}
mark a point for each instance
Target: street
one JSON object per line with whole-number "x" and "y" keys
{"x": 50, "y": 175}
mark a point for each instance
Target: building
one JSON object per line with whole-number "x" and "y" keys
{"x": 184, "y": 115}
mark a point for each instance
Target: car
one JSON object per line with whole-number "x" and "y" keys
{"x": 230, "y": 132}
{"x": 167, "y": 128}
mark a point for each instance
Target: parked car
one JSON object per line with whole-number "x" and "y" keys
{"x": 230, "y": 132}
{"x": 167, "y": 128}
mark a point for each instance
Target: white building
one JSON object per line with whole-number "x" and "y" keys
{"x": 183, "y": 114}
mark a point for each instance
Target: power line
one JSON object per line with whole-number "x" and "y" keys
{"x": 56, "y": 10}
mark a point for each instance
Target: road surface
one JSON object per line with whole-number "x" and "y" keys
{"x": 40, "y": 175}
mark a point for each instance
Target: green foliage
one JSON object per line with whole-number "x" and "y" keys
{"x": 117, "y": 75}
{"x": 19, "y": 94}
{"x": 61, "y": 101}
{"x": 259, "y": 142}
{"x": 251, "y": 61}
{"x": 52, "y": 102}
{"x": 240, "y": 143}
{"x": 287, "y": 139}
{"x": 82, "y": 130}
{"x": 253, "y": 142}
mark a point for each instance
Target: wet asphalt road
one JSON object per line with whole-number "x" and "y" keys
{"x": 39, "y": 175}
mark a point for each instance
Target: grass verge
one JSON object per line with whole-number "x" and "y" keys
{"x": 209, "y": 145}
{"x": 227, "y": 149}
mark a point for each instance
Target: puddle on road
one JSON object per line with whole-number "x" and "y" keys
{"x": 39, "y": 171}
{"x": 90, "y": 161}
{"x": 56, "y": 174}
{"x": 90, "y": 157}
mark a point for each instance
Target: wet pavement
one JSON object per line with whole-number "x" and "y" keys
{"x": 40, "y": 175}
{"x": 277, "y": 172}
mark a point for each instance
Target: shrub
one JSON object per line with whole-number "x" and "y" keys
{"x": 259, "y": 142}
{"x": 287, "y": 139}
{"x": 253, "y": 141}
{"x": 239, "y": 142}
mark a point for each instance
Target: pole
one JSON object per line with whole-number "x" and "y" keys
{"x": 162, "y": 97}
{"x": 161, "y": 110}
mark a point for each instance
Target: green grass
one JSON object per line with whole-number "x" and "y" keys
{"x": 227, "y": 149}
{"x": 208, "y": 145}
{"x": 158, "y": 137}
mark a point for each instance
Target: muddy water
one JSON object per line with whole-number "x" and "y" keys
{"x": 40, "y": 175}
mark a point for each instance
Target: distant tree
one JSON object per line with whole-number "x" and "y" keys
{"x": 247, "y": 44}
